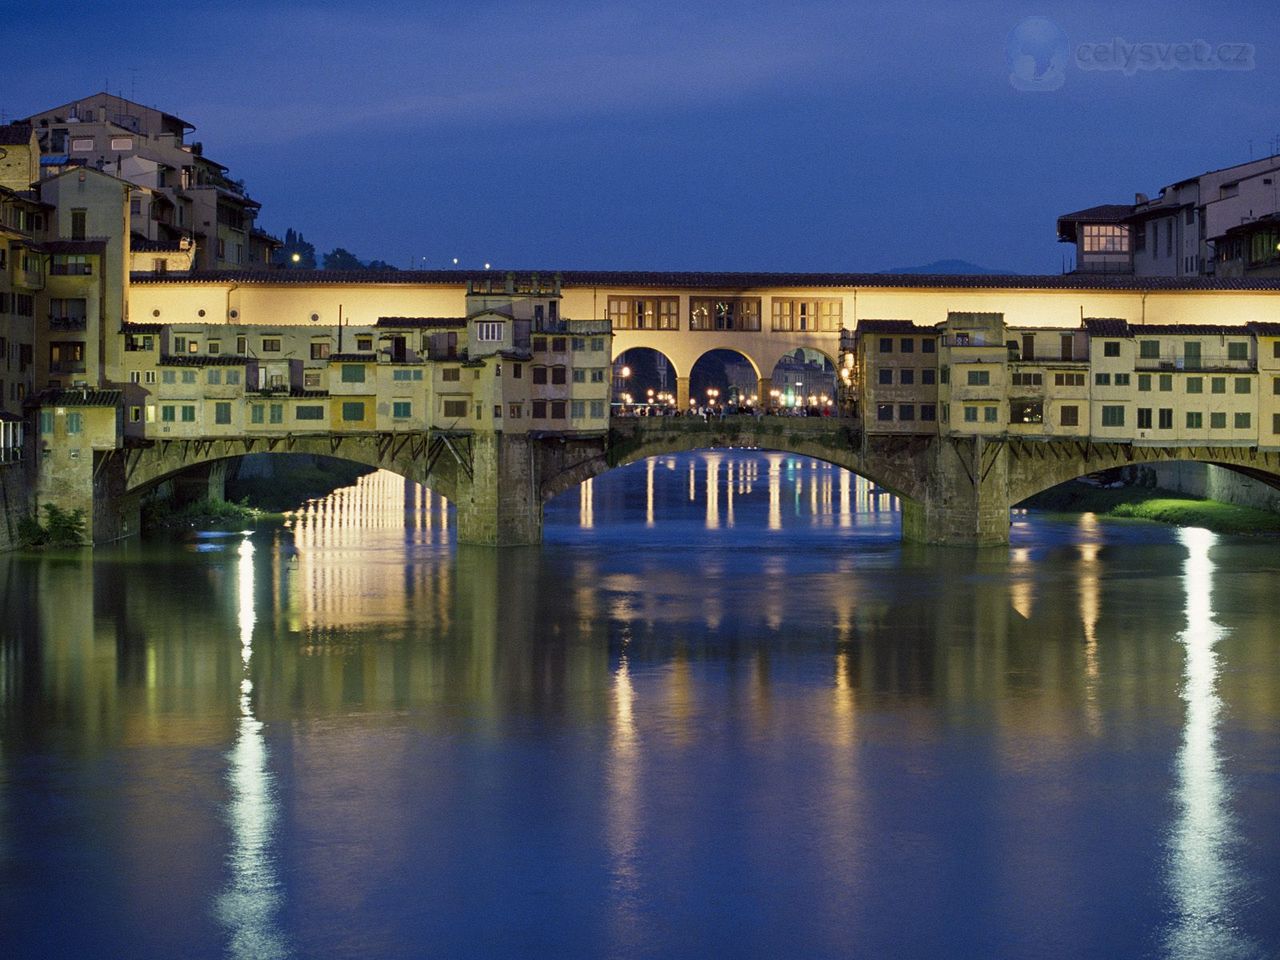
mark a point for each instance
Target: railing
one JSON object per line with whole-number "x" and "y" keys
{"x": 1169, "y": 362}
{"x": 68, "y": 323}
{"x": 67, "y": 366}
{"x": 575, "y": 328}
{"x": 10, "y": 455}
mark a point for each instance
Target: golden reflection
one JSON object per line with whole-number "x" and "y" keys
{"x": 650, "y": 465}
{"x": 729, "y": 492}
{"x": 1090, "y": 611}
{"x": 845, "y": 514}
{"x": 586, "y": 504}
{"x": 713, "y": 491}
{"x": 1021, "y": 584}
{"x": 775, "y": 491}
{"x": 249, "y": 905}
{"x": 1200, "y": 876}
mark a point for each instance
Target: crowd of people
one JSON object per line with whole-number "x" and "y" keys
{"x": 707, "y": 412}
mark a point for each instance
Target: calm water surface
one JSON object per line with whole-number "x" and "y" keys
{"x": 721, "y": 712}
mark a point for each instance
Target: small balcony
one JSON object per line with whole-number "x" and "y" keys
{"x": 68, "y": 323}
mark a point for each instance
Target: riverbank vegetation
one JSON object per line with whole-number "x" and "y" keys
{"x": 61, "y": 528}
{"x": 203, "y": 515}
{"x": 1162, "y": 506}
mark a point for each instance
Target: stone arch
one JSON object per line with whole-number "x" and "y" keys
{"x": 647, "y": 369}
{"x": 788, "y": 372}
{"x": 1035, "y": 467}
{"x": 892, "y": 468}
{"x": 146, "y": 467}
{"x": 729, "y": 381}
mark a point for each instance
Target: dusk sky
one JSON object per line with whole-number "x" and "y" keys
{"x": 808, "y": 136}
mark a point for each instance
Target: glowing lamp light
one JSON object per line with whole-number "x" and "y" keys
{"x": 296, "y": 258}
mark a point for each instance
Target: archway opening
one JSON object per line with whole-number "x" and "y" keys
{"x": 644, "y": 380}
{"x": 724, "y": 379}
{"x": 803, "y": 379}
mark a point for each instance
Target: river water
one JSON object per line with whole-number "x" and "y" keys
{"x": 721, "y": 712}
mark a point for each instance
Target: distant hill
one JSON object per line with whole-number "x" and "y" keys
{"x": 948, "y": 266}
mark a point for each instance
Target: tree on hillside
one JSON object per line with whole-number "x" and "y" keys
{"x": 340, "y": 259}
{"x": 294, "y": 243}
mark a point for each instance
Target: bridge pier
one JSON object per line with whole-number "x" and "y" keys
{"x": 501, "y": 506}
{"x": 966, "y": 495}
{"x": 682, "y": 394}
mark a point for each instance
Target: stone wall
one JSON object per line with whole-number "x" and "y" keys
{"x": 1213, "y": 483}
{"x": 15, "y": 502}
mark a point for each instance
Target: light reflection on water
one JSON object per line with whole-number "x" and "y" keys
{"x": 750, "y": 722}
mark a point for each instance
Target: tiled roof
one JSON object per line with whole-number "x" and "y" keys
{"x": 353, "y": 357}
{"x": 140, "y": 244}
{"x": 727, "y": 281}
{"x": 204, "y": 360}
{"x": 1102, "y": 213}
{"x": 15, "y": 134}
{"x": 1264, "y": 329}
{"x": 891, "y": 326}
{"x": 80, "y": 398}
{"x": 1106, "y": 327}
{"x": 421, "y": 323}
{"x": 1184, "y": 330}
{"x": 142, "y": 327}
{"x": 75, "y": 246}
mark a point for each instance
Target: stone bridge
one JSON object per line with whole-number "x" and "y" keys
{"x": 953, "y": 490}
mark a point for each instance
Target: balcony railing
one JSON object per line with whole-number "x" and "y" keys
{"x": 1214, "y": 361}
{"x": 67, "y": 366}
{"x": 68, "y": 323}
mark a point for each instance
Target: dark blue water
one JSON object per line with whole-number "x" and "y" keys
{"x": 721, "y": 712}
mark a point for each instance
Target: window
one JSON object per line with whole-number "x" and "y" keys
{"x": 256, "y": 413}
{"x": 167, "y": 413}
{"x": 906, "y": 411}
{"x": 1275, "y": 350}
{"x": 270, "y": 344}
{"x": 311, "y": 379}
{"x": 1275, "y": 423}
{"x": 401, "y": 409}
{"x": 1069, "y": 379}
{"x": 539, "y": 409}
{"x": 168, "y": 376}
{"x": 990, "y": 414}
{"x": 353, "y": 373}
{"x": 558, "y": 344}
{"x": 1243, "y": 421}
{"x": 310, "y": 411}
{"x": 453, "y": 374}
{"x": 577, "y": 409}
{"x": 1217, "y": 421}
{"x": 597, "y": 409}
{"x": 242, "y": 346}
{"x": 489, "y": 331}
{"x": 1144, "y": 418}
{"x": 214, "y": 347}
{"x": 121, "y": 143}
{"x": 517, "y": 371}
{"x": 906, "y": 377}
{"x": 929, "y": 412}
{"x": 724, "y": 313}
{"x": 1122, "y": 380}
{"x": 1166, "y": 418}
{"x": 319, "y": 351}
{"x": 1111, "y": 348}
{"x": 353, "y": 411}
{"x": 1112, "y": 416}
{"x": 188, "y": 376}
{"x": 970, "y": 414}
{"x": 557, "y": 375}
{"x": 455, "y": 408}
{"x": 539, "y": 375}
{"x": 1028, "y": 379}
{"x": 579, "y": 375}
{"x": 1195, "y": 384}
{"x": 1149, "y": 349}
{"x": 1195, "y": 420}
{"x": 277, "y": 413}
{"x": 1191, "y": 355}
{"x": 135, "y": 376}
{"x": 1102, "y": 379}
{"x": 364, "y": 344}
{"x": 1218, "y": 384}
{"x": 557, "y": 409}
{"x": 1166, "y": 382}
{"x": 1026, "y": 411}
{"x": 928, "y": 346}
{"x": 579, "y": 344}
{"x": 214, "y": 377}
{"x": 886, "y": 344}
{"x": 1238, "y": 350}
{"x": 597, "y": 344}
{"x": 807, "y": 315}
{"x": 81, "y": 144}
{"x": 643, "y": 313}
{"x": 1243, "y": 385}
{"x": 1069, "y": 416}
{"x": 515, "y": 411}
{"x": 886, "y": 375}
{"x": 78, "y": 224}
{"x": 1106, "y": 238}
{"x": 597, "y": 375}
{"x": 1275, "y": 385}
{"x": 188, "y": 413}
{"x": 884, "y": 411}
{"x": 222, "y": 412}
{"x": 75, "y": 422}
{"x": 907, "y": 345}
{"x": 979, "y": 378}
